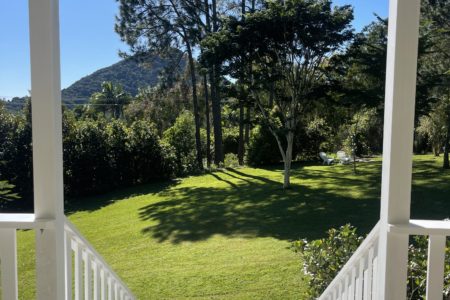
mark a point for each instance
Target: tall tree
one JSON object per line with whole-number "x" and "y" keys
{"x": 241, "y": 142}
{"x": 434, "y": 62}
{"x": 289, "y": 43}
{"x": 158, "y": 26}
{"x": 215, "y": 86}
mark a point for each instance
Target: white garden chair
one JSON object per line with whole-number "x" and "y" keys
{"x": 325, "y": 158}
{"x": 343, "y": 157}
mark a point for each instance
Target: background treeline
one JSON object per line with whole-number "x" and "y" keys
{"x": 238, "y": 90}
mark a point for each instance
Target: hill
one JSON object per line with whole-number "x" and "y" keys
{"x": 128, "y": 72}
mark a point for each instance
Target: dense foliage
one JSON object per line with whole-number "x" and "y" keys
{"x": 324, "y": 258}
{"x": 99, "y": 154}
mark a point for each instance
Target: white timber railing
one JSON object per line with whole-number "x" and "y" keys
{"x": 359, "y": 278}
{"x": 87, "y": 275}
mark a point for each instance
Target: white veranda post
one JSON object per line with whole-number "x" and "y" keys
{"x": 47, "y": 147}
{"x": 398, "y": 145}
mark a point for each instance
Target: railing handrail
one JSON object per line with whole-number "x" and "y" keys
{"x": 23, "y": 221}
{"x": 13, "y": 222}
{"x": 422, "y": 227}
{"x": 360, "y": 252}
{"x": 70, "y": 227}
{"x": 435, "y": 229}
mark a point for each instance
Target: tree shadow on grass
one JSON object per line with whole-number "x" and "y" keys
{"x": 257, "y": 206}
{"x": 92, "y": 203}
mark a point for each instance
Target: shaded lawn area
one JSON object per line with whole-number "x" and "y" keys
{"x": 226, "y": 235}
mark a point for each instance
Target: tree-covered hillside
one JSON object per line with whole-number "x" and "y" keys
{"x": 129, "y": 73}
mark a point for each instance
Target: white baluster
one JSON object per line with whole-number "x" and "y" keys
{"x": 110, "y": 288}
{"x": 370, "y": 276}
{"x": 87, "y": 277}
{"x": 103, "y": 284}
{"x": 347, "y": 283}
{"x": 116, "y": 290}
{"x": 78, "y": 271}
{"x": 351, "y": 293}
{"x": 97, "y": 286}
{"x": 375, "y": 289}
{"x": 436, "y": 263}
{"x": 360, "y": 279}
{"x": 8, "y": 263}
{"x": 68, "y": 263}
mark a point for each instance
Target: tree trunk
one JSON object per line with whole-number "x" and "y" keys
{"x": 446, "y": 164}
{"x": 288, "y": 160}
{"x": 247, "y": 126}
{"x": 217, "y": 120}
{"x": 241, "y": 149}
{"x": 208, "y": 123}
{"x": 193, "y": 74}
{"x": 436, "y": 150}
{"x": 241, "y": 145}
{"x": 215, "y": 94}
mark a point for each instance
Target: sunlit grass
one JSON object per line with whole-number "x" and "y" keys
{"x": 226, "y": 235}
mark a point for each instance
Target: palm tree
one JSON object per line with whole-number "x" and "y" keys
{"x": 110, "y": 100}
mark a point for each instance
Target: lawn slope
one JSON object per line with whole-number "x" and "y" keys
{"x": 226, "y": 235}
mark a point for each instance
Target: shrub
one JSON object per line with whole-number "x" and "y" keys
{"x": 324, "y": 258}
{"x": 6, "y": 193}
{"x": 181, "y": 136}
{"x": 86, "y": 162}
{"x": 231, "y": 160}
{"x": 148, "y": 159}
{"x": 263, "y": 148}
{"x": 117, "y": 141}
{"x": 230, "y": 138}
{"x": 16, "y": 153}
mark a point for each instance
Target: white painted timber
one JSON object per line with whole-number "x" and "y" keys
{"x": 68, "y": 265}
{"x": 422, "y": 227}
{"x": 84, "y": 251}
{"x": 47, "y": 147}
{"x": 436, "y": 266}
{"x": 8, "y": 264}
{"x": 345, "y": 280}
{"x": 23, "y": 221}
{"x": 397, "y": 147}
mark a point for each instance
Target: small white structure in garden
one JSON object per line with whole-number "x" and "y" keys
{"x": 343, "y": 157}
{"x": 325, "y": 159}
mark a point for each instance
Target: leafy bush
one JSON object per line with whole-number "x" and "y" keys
{"x": 16, "y": 152}
{"x": 148, "y": 157}
{"x": 181, "y": 136}
{"x": 230, "y": 138}
{"x": 86, "y": 162}
{"x": 231, "y": 160}
{"x": 417, "y": 269}
{"x": 263, "y": 148}
{"x": 6, "y": 192}
{"x": 362, "y": 132}
{"x": 312, "y": 136}
{"x": 324, "y": 258}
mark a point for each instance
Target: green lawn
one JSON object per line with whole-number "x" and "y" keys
{"x": 226, "y": 235}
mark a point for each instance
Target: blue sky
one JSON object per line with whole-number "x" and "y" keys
{"x": 88, "y": 40}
